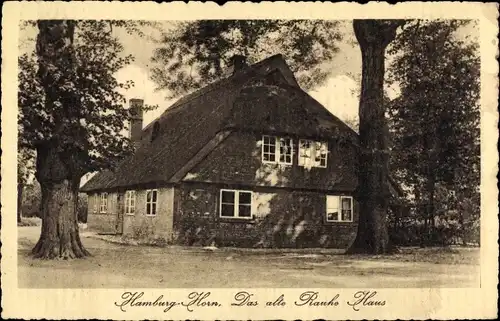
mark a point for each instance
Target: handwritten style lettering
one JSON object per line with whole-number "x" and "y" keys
{"x": 365, "y": 298}
{"x": 279, "y": 302}
{"x": 242, "y": 298}
{"x": 196, "y": 299}
{"x": 310, "y": 298}
{"x": 199, "y": 299}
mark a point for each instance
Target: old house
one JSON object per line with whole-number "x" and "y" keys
{"x": 250, "y": 160}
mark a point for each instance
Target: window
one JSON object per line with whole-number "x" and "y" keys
{"x": 269, "y": 149}
{"x": 151, "y": 202}
{"x": 286, "y": 148}
{"x": 312, "y": 153}
{"x": 95, "y": 200}
{"x": 236, "y": 204}
{"x": 277, "y": 150}
{"x": 155, "y": 131}
{"x": 304, "y": 152}
{"x": 103, "y": 205}
{"x": 338, "y": 208}
{"x": 321, "y": 150}
{"x": 130, "y": 202}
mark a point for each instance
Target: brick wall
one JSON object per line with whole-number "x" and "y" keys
{"x": 238, "y": 160}
{"x": 282, "y": 218}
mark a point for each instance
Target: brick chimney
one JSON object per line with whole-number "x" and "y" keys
{"x": 236, "y": 63}
{"x": 136, "y": 106}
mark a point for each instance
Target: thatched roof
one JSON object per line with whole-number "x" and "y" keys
{"x": 194, "y": 120}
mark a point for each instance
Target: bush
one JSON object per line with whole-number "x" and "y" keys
{"x": 30, "y": 221}
{"x": 32, "y": 198}
{"x": 82, "y": 208}
{"x": 445, "y": 232}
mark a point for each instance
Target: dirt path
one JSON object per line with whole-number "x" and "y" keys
{"x": 122, "y": 266}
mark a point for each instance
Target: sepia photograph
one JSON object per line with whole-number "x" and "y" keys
{"x": 294, "y": 153}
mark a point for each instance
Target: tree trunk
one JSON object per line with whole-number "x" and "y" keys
{"x": 59, "y": 237}
{"x": 373, "y": 37}
{"x": 20, "y": 189}
{"x": 57, "y": 168}
{"x": 431, "y": 213}
{"x": 423, "y": 237}
{"x": 430, "y": 147}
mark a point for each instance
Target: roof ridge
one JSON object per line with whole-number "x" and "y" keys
{"x": 210, "y": 87}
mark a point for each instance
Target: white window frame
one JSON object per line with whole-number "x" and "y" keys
{"x": 314, "y": 146}
{"x": 130, "y": 201}
{"x": 151, "y": 202}
{"x": 103, "y": 202}
{"x": 321, "y": 144}
{"x": 277, "y": 150}
{"x": 339, "y": 209}
{"x": 236, "y": 204}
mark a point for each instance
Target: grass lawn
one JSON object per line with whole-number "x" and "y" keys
{"x": 123, "y": 266}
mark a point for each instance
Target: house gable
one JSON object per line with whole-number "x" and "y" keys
{"x": 285, "y": 109}
{"x": 237, "y": 160}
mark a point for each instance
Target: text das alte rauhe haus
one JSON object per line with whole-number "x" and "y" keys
{"x": 357, "y": 300}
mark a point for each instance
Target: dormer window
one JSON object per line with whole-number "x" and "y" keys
{"x": 312, "y": 153}
{"x": 278, "y": 150}
{"x": 155, "y": 131}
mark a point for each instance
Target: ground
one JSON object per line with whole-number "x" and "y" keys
{"x": 127, "y": 266}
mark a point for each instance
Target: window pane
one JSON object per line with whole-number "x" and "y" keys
{"x": 227, "y": 210}
{"x": 332, "y": 216}
{"x": 272, "y": 157}
{"x": 148, "y": 196}
{"x": 148, "y": 208}
{"x": 245, "y": 211}
{"x": 346, "y": 203}
{"x": 155, "y": 196}
{"x": 332, "y": 208}
{"x": 285, "y": 150}
{"x": 332, "y": 202}
{"x": 346, "y": 215}
{"x": 153, "y": 209}
{"x": 227, "y": 197}
{"x": 245, "y": 198}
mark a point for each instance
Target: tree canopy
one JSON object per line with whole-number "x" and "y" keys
{"x": 195, "y": 53}
{"x": 92, "y": 129}
{"x": 438, "y": 109}
{"x": 435, "y": 120}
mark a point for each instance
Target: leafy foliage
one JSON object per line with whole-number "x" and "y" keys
{"x": 435, "y": 121}
{"x": 195, "y": 53}
{"x": 91, "y": 130}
